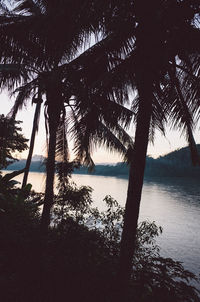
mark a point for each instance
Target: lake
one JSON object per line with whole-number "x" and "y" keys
{"x": 172, "y": 203}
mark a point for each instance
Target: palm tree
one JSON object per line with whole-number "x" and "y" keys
{"x": 149, "y": 50}
{"x": 46, "y": 50}
{"x": 157, "y": 46}
{"x": 136, "y": 34}
{"x": 88, "y": 119}
{"x": 52, "y": 83}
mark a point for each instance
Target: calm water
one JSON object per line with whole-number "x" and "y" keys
{"x": 173, "y": 204}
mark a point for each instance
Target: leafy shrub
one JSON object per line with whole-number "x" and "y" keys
{"x": 78, "y": 260}
{"x": 152, "y": 274}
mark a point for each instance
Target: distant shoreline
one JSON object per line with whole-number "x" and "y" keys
{"x": 174, "y": 164}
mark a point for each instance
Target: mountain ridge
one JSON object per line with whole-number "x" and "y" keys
{"x": 176, "y": 163}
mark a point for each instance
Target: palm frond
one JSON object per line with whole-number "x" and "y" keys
{"x": 62, "y": 149}
{"x": 4, "y": 10}
{"x": 183, "y": 117}
{"x": 89, "y": 133}
{"x": 27, "y": 7}
{"x": 23, "y": 95}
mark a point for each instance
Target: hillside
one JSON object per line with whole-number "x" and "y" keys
{"x": 174, "y": 164}
{"x": 177, "y": 163}
{"x": 36, "y": 165}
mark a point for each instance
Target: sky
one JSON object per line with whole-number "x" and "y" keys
{"x": 162, "y": 145}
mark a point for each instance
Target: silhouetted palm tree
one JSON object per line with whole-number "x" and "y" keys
{"x": 147, "y": 52}
{"x": 53, "y": 35}
{"x": 52, "y": 79}
{"x": 88, "y": 116}
{"x": 154, "y": 47}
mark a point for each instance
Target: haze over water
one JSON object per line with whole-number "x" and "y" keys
{"x": 172, "y": 203}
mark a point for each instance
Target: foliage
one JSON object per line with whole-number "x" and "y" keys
{"x": 11, "y": 140}
{"x": 59, "y": 62}
{"x": 152, "y": 274}
{"x": 53, "y": 69}
{"x": 15, "y": 202}
{"x": 155, "y": 275}
{"x": 80, "y": 257}
{"x": 70, "y": 198}
{"x": 137, "y": 37}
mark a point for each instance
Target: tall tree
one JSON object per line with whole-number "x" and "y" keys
{"x": 138, "y": 51}
{"x": 148, "y": 53}
{"x": 64, "y": 25}
{"x": 156, "y": 50}
{"x": 54, "y": 82}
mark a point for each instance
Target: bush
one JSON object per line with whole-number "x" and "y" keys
{"x": 78, "y": 260}
{"x": 11, "y": 140}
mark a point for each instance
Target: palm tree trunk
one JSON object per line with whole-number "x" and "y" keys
{"x": 50, "y": 171}
{"x": 54, "y": 100}
{"x": 136, "y": 176}
{"x": 32, "y": 142}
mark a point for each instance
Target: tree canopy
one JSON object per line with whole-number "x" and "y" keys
{"x": 11, "y": 140}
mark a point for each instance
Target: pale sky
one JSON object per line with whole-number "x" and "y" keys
{"x": 162, "y": 145}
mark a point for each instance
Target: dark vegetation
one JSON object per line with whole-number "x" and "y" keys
{"x": 174, "y": 164}
{"x": 11, "y": 140}
{"x": 79, "y": 259}
{"x": 148, "y": 48}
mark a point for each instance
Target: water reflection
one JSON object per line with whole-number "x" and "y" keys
{"x": 175, "y": 205}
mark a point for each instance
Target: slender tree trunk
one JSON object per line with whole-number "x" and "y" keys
{"x": 32, "y": 142}
{"x": 50, "y": 171}
{"x": 54, "y": 109}
{"x": 136, "y": 176}
{"x": 146, "y": 65}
